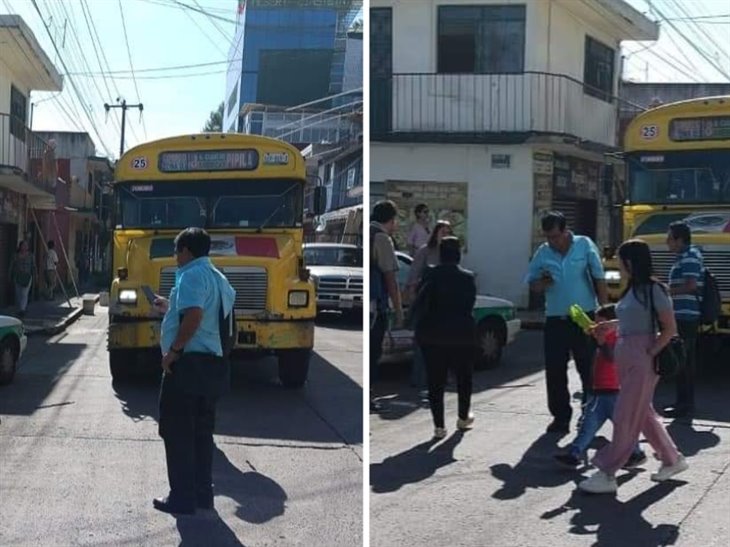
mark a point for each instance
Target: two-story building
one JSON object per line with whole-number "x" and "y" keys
{"x": 494, "y": 111}
{"x": 27, "y": 163}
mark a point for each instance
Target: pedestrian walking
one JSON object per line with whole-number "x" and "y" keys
{"x": 50, "y": 273}
{"x": 427, "y": 255}
{"x": 638, "y": 345}
{"x": 22, "y": 268}
{"x": 567, "y": 269}
{"x": 421, "y": 229}
{"x": 602, "y": 401}
{"x": 685, "y": 286}
{"x": 384, "y": 290}
{"x": 195, "y": 371}
{"x": 446, "y": 331}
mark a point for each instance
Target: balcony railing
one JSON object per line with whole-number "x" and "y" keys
{"x": 477, "y": 105}
{"x": 23, "y": 150}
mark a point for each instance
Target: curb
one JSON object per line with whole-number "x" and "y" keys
{"x": 61, "y": 325}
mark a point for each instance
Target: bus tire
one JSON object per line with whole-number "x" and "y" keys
{"x": 294, "y": 367}
{"x": 491, "y": 338}
{"x": 9, "y": 351}
{"x": 121, "y": 364}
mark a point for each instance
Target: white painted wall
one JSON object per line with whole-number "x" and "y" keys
{"x": 554, "y": 43}
{"x": 499, "y": 204}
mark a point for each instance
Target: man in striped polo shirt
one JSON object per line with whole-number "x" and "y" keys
{"x": 685, "y": 286}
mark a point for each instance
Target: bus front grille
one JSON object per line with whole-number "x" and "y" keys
{"x": 717, "y": 260}
{"x": 250, "y": 284}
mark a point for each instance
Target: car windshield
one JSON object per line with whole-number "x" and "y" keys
{"x": 679, "y": 177}
{"x": 333, "y": 256}
{"x": 251, "y": 203}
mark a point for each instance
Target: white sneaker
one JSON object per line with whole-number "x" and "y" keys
{"x": 465, "y": 425}
{"x": 439, "y": 433}
{"x": 668, "y": 471}
{"x": 599, "y": 483}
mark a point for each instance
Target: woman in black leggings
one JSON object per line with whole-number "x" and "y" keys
{"x": 446, "y": 331}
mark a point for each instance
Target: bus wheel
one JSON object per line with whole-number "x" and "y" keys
{"x": 9, "y": 350}
{"x": 294, "y": 367}
{"x": 121, "y": 364}
{"x": 491, "y": 334}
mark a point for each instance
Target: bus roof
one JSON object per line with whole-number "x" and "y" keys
{"x": 130, "y": 166}
{"x": 650, "y": 130}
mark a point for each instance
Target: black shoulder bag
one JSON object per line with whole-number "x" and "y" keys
{"x": 673, "y": 355}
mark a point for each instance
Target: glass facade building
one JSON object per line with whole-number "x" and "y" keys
{"x": 286, "y": 53}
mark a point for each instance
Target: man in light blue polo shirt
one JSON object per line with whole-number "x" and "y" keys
{"x": 568, "y": 270}
{"x": 195, "y": 372}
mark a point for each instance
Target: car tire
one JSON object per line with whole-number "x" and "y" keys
{"x": 9, "y": 352}
{"x": 294, "y": 367}
{"x": 491, "y": 338}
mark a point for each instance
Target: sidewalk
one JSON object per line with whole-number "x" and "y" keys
{"x": 50, "y": 316}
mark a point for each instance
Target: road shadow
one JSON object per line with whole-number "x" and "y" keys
{"x": 414, "y": 465}
{"x": 536, "y": 469}
{"x": 259, "y": 498}
{"x": 711, "y": 389}
{"x": 619, "y": 523}
{"x": 689, "y": 440}
{"x": 399, "y": 398}
{"x": 40, "y": 369}
{"x": 207, "y": 529}
{"x": 327, "y": 410}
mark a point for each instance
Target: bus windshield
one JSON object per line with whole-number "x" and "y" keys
{"x": 251, "y": 203}
{"x": 679, "y": 177}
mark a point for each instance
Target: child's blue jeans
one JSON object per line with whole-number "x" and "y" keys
{"x": 598, "y": 409}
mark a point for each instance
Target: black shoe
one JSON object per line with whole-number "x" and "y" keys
{"x": 676, "y": 411}
{"x": 164, "y": 505}
{"x": 375, "y": 407}
{"x": 635, "y": 460}
{"x": 558, "y": 427}
{"x": 568, "y": 458}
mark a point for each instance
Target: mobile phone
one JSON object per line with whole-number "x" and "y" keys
{"x": 149, "y": 293}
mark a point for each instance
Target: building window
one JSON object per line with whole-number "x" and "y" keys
{"x": 18, "y": 113}
{"x": 232, "y": 99}
{"x": 598, "y": 70}
{"x": 481, "y": 39}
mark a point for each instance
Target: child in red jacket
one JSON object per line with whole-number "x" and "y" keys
{"x": 602, "y": 401}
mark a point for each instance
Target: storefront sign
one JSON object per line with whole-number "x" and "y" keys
{"x": 542, "y": 163}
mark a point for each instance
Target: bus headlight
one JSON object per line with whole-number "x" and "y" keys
{"x": 613, "y": 277}
{"x": 298, "y": 299}
{"x": 128, "y": 296}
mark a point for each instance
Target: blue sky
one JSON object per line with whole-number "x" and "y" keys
{"x": 161, "y": 34}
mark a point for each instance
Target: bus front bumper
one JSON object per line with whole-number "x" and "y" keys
{"x": 252, "y": 335}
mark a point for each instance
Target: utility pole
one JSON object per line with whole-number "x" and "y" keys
{"x": 124, "y": 106}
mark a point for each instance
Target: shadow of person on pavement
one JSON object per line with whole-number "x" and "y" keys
{"x": 260, "y": 499}
{"x": 689, "y": 440}
{"x": 536, "y": 469}
{"x": 414, "y": 465}
{"x": 205, "y": 529}
{"x": 616, "y": 522}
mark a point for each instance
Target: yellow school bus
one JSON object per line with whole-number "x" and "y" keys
{"x": 678, "y": 168}
{"x": 248, "y": 193}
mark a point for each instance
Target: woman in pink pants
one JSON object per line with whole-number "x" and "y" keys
{"x": 636, "y": 349}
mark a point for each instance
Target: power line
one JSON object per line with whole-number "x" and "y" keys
{"x": 200, "y": 10}
{"x": 71, "y": 80}
{"x": 157, "y": 69}
{"x": 131, "y": 67}
{"x": 167, "y": 77}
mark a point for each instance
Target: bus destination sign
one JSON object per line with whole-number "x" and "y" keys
{"x": 700, "y": 129}
{"x": 208, "y": 160}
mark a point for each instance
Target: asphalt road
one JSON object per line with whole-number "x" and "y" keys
{"x": 80, "y": 459}
{"x": 499, "y": 486}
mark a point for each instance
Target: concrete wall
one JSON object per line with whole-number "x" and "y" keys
{"x": 499, "y": 218}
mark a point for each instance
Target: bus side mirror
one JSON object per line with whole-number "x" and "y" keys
{"x": 320, "y": 200}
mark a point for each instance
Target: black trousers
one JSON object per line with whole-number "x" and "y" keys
{"x": 563, "y": 338}
{"x": 438, "y": 361}
{"x": 377, "y": 334}
{"x": 687, "y": 330}
{"x": 186, "y": 427}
